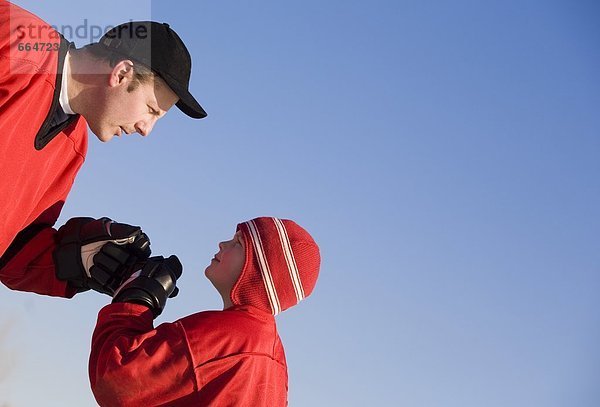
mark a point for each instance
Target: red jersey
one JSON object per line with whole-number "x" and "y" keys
{"x": 37, "y": 167}
{"x": 214, "y": 358}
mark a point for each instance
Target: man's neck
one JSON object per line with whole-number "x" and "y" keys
{"x": 84, "y": 74}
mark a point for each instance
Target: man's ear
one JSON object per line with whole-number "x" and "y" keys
{"x": 121, "y": 74}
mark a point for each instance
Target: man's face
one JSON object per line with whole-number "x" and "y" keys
{"x": 118, "y": 111}
{"x": 226, "y": 266}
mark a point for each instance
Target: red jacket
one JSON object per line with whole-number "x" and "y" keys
{"x": 37, "y": 167}
{"x": 214, "y": 358}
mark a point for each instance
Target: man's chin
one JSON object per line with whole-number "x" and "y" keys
{"x": 104, "y": 138}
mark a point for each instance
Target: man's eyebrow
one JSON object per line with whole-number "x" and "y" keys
{"x": 157, "y": 110}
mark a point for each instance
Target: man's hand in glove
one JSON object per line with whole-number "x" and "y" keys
{"x": 152, "y": 284}
{"x": 98, "y": 254}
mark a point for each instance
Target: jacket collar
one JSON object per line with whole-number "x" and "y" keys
{"x": 47, "y": 132}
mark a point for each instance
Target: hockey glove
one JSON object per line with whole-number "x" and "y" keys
{"x": 98, "y": 254}
{"x": 152, "y": 284}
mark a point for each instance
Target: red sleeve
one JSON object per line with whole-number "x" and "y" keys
{"x": 32, "y": 268}
{"x": 133, "y": 364}
{"x": 28, "y": 264}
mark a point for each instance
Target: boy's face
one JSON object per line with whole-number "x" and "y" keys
{"x": 118, "y": 111}
{"x": 226, "y": 266}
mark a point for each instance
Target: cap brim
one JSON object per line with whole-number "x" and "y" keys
{"x": 190, "y": 106}
{"x": 187, "y": 103}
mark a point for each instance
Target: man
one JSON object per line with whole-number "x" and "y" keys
{"x": 50, "y": 93}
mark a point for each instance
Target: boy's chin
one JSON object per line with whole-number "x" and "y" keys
{"x": 208, "y": 273}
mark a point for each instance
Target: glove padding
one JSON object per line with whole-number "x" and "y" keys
{"x": 98, "y": 254}
{"x": 152, "y": 284}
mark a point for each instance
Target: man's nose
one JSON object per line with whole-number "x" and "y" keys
{"x": 144, "y": 127}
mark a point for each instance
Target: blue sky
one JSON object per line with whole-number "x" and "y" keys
{"x": 443, "y": 154}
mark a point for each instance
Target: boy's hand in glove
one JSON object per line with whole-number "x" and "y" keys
{"x": 152, "y": 284}
{"x": 98, "y": 254}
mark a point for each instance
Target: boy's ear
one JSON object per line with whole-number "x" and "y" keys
{"x": 121, "y": 74}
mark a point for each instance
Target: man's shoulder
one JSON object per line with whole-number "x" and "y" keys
{"x": 15, "y": 15}
{"x": 26, "y": 39}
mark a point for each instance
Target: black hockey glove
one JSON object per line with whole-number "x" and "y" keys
{"x": 98, "y": 254}
{"x": 152, "y": 284}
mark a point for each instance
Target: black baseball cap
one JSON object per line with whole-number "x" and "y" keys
{"x": 159, "y": 48}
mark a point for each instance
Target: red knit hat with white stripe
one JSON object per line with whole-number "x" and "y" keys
{"x": 281, "y": 267}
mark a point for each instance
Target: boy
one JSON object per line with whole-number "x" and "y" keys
{"x": 232, "y": 357}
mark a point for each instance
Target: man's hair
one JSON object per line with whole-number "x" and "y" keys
{"x": 141, "y": 73}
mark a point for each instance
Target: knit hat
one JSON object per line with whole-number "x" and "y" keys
{"x": 281, "y": 267}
